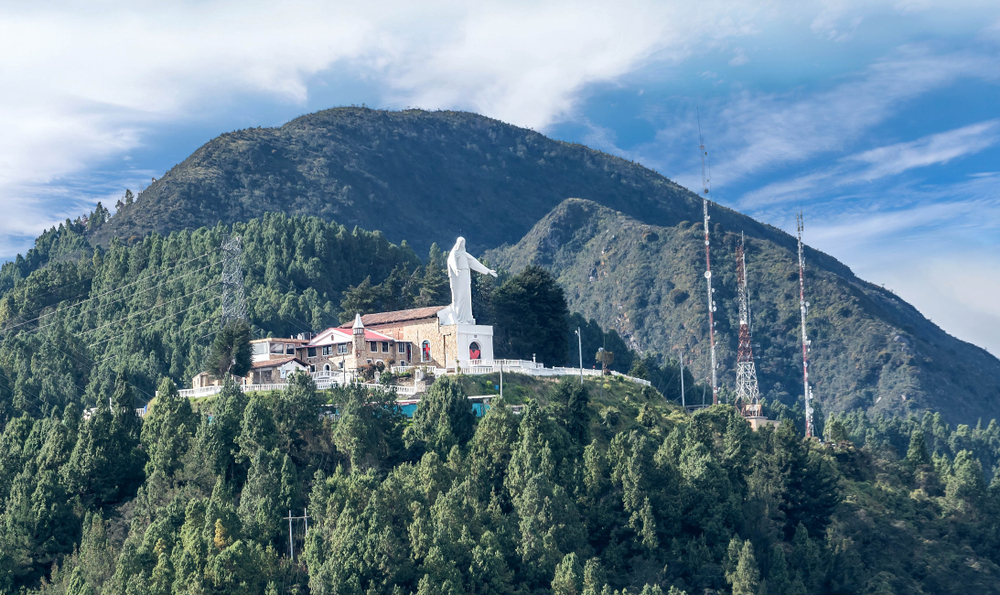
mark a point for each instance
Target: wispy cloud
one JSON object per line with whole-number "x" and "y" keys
{"x": 873, "y": 164}
{"x": 930, "y": 150}
{"x": 84, "y": 83}
{"x": 766, "y": 131}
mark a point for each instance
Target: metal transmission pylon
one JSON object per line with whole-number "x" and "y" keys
{"x": 747, "y": 391}
{"x": 234, "y": 306}
{"x": 708, "y": 266}
{"x": 803, "y": 308}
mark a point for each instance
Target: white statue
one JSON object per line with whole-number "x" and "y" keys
{"x": 459, "y": 264}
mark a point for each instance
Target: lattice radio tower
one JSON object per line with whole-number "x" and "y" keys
{"x": 708, "y": 265}
{"x": 234, "y": 306}
{"x": 747, "y": 391}
{"x": 803, "y": 308}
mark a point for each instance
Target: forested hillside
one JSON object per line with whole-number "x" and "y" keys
{"x": 576, "y": 495}
{"x": 150, "y": 309}
{"x": 595, "y": 490}
{"x": 871, "y": 350}
{"x": 427, "y": 177}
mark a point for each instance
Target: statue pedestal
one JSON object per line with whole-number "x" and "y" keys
{"x": 465, "y": 341}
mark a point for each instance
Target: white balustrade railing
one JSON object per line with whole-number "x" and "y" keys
{"x": 328, "y": 379}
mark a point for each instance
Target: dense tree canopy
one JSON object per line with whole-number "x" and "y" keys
{"x": 589, "y": 488}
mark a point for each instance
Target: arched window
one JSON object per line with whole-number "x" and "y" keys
{"x": 425, "y": 351}
{"x": 474, "y": 351}
{"x": 326, "y": 367}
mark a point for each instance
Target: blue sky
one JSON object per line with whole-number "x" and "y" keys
{"x": 881, "y": 120}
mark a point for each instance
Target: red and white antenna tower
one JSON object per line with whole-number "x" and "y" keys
{"x": 747, "y": 391}
{"x": 708, "y": 265}
{"x": 803, "y": 308}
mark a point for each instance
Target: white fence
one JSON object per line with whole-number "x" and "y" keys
{"x": 328, "y": 379}
{"x": 321, "y": 384}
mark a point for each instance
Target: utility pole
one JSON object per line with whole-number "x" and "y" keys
{"x": 291, "y": 546}
{"x": 803, "y": 308}
{"x": 708, "y": 265}
{"x": 579, "y": 344}
{"x": 747, "y": 391}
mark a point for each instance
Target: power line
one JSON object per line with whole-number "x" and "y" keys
{"x": 134, "y": 314}
{"x": 42, "y": 327}
{"x": 120, "y": 288}
{"x": 192, "y": 306}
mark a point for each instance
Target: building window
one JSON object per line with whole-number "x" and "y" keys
{"x": 372, "y": 346}
{"x": 311, "y": 352}
{"x": 327, "y": 350}
{"x": 340, "y": 365}
{"x": 474, "y": 351}
{"x": 401, "y": 347}
{"x": 425, "y": 351}
{"x": 341, "y": 348}
{"x": 385, "y": 347}
{"x": 289, "y": 349}
{"x": 326, "y": 367}
{"x": 312, "y": 367}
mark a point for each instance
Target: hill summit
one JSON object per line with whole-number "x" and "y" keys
{"x": 628, "y": 251}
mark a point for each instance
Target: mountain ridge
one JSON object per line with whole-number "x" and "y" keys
{"x": 425, "y": 177}
{"x": 871, "y": 350}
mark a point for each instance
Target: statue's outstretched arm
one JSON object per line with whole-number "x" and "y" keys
{"x": 479, "y": 267}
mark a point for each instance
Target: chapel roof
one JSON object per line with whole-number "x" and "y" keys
{"x": 379, "y": 318}
{"x": 274, "y": 363}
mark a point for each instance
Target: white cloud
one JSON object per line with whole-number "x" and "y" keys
{"x": 739, "y": 57}
{"x": 951, "y": 290}
{"x": 84, "y": 82}
{"x": 936, "y": 247}
{"x": 930, "y": 150}
{"x": 870, "y": 165}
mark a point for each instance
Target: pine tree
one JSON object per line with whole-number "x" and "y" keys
{"x": 568, "y": 579}
{"x": 167, "y": 431}
{"x": 444, "y": 418}
{"x": 965, "y": 489}
{"x": 231, "y": 351}
{"x": 434, "y": 287}
{"x": 916, "y": 454}
{"x": 778, "y": 582}
{"x": 746, "y": 578}
{"x": 531, "y": 317}
{"x": 575, "y": 401}
{"x": 594, "y": 578}
{"x": 79, "y": 586}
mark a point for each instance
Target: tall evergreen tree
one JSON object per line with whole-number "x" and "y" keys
{"x": 444, "y": 418}
{"x": 531, "y": 317}
{"x": 231, "y": 350}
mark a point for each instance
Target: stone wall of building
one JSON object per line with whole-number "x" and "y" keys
{"x": 416, "y": 332}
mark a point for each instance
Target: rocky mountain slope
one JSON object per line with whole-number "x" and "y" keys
{"x": 631, "y": 256}
{"x": 415, "y": 175}
{"x": 871, "y": 350}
